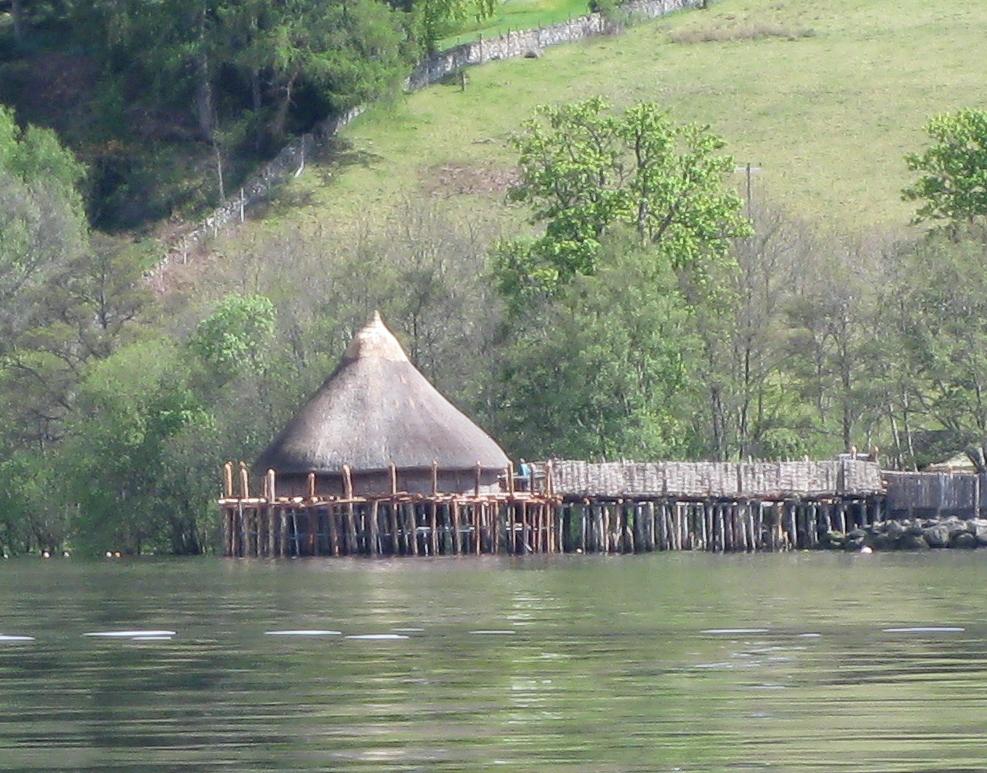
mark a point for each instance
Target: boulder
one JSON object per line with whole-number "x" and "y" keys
{"x": 963, "y": 540}
{"x": 937, "y": 536}
{"x": 895, "y": 529}
{"x": 981, "y": 534}
{"x": 913, "y": 542}
{"x": 532, "y": 53}
{"x": 854, "y": 544}
{"x": 833, "y": 540}
{"x": 884, "y": 542}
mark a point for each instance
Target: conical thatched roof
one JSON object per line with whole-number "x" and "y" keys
{"x": 375, "y": 409}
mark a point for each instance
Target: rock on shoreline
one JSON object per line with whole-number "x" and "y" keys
{"x": 911, "y": 534}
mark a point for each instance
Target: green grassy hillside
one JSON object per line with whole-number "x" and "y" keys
{"x": 516, "y": 15}
{"x": 825, "y": 97}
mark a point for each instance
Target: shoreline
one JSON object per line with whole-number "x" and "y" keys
{"x": 910, "y": 534}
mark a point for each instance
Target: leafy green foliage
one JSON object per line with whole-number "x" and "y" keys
{"x": 235, "y": 334}
{"x": 130, "y": 405}
{"x": 943, "y": 291}
{"x": 436, "y": 18}
{"x": 586, "y": 172}
{"x": 602, "y": 370}
{"x": 41, "y": 222}
{"x": 953, "y": 182}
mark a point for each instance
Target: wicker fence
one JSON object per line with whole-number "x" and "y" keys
{"x": 844, "y": 477}
{"x": 935, "y": 493}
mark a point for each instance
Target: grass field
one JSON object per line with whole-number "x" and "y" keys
{"x": 517, "y": 15}
{"x": 825, "y": 97}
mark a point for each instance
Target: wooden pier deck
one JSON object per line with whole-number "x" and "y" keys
{"x": 564, "y": 507}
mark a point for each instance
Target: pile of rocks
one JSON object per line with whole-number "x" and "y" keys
{"x": 914, "y": 534}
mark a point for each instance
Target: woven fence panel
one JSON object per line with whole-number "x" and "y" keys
{"x": 931, "y": 492}
{"x": 718, "y": 480}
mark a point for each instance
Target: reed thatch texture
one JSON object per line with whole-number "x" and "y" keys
{"x": 375, "y": 410}
{"x": 719, "y": 480}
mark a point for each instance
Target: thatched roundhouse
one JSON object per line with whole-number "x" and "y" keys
{"x": 376, "y": 410}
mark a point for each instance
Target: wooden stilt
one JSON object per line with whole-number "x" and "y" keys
{"x": 433, "y": 527}
{"x": 374, "y": 546}
{"x": 392, "y": 512}
{"x": 456, "y": 536}
{"x": 583, "y": 522}
{"x": 477, "y": 524}
{"x": 412, "y": 527}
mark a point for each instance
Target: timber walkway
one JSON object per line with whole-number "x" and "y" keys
{"x": 564, "y": 507}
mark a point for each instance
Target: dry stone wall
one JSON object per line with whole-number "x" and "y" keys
{"x": 290, "y": 162}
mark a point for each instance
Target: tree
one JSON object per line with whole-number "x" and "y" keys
{"x": 42, "y": 224}
{"x": 436, "y": 18}
{"x": 943, "y": 335}
{"x": 131, "y": 405}
{"x": 78, "y": 313}
{"x": 953, "y": 182}
{"x": 235, "y": 334}
{"x": 585, "y": 172}
{"x": 601, "y": 370}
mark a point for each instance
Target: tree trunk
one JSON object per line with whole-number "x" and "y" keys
{"x": 17, "y": 11}
{"x": 219, "y": 170}
{"x": 258, "y": 103}
{"x": 204, "y": 109}
{"x": 281, "y": 117}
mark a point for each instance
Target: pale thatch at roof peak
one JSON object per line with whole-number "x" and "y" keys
{"x": 375, "y": 340}
{"x": 377, "y": 409}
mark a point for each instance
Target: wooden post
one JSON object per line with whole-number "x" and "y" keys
{"x": 394, "y": 479}
{"x": 227, "y": 528}
{"x": 435, "y": 479}
{"x": 758, "y": 526}
{"x": 477, "y": 522}
{"x": 374, "y": 528}
{"x": 792, "y": 524}
{"x": 313, "y": 526}
{"x": 244, "y": 482}
{"x": 476, "y": 482}
{"x": 743, "y": 519}
{"x": 412, "y": 521}
{"x": 283, "y": 514}
{"x": 350, "y": 523}
{"x": 545, "y": 522}
{"x": 495, "y": 517}
{"x": 228, "y": 480}
{"x": 433, "y": 527}
{"x": 393, "y": 518}
{"x": 510, "y": 478}
{"x": 662, "y": 534}
{"x": 456, "y": 537}
{"x": 333, "y": 530}
{"x": 294, "y": 533}
{"x": 534, "y": 512}
{"x": 270, "y": 532}
{"x": 638, "y": 532}
{"x": 721, "y": 544}
{"x": 311, "y": 485}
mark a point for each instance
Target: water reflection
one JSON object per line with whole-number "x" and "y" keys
{"x": 662, "y": 662}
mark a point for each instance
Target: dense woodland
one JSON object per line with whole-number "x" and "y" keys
{"x": 637, "y": 306}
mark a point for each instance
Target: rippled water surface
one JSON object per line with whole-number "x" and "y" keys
{"x": 661, "y": 662}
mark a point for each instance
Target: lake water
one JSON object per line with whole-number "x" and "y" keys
{"x": 555, "y": 663}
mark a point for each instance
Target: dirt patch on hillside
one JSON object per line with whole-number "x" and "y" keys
{"x": 443, "y": 180}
